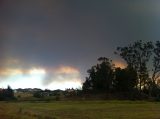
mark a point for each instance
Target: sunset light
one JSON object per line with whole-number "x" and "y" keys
{"x": 79, "y": 59}
{"x": 120, "y": 64}
{"x": 57, "y": 78}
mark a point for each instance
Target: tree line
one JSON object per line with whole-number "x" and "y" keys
{"x": 140, "y": 78}
{"x": 7, "y": 94}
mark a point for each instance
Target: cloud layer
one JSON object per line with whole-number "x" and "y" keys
{"x": 39, "y": 77}
{"x": 64, "y": 38}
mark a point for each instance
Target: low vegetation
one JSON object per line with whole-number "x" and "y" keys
{"x": 80, "y": 110}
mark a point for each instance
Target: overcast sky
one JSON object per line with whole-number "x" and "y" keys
{"x": 52, "y": 43}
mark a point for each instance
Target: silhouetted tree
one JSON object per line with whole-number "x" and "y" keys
{"x": 87, "y": 85}
{"x": 154, "y": 85}
{"x": 9, "y": 92}
{"x": 100, "y": 76}
{"x": 104, "y": 74}
{"x": 156, "y": 63}
{"x": 137, "y": 56}
{"x": 103, "y": 77}
{"x": 6, "y": 94}
{"x": 125, "y": 79}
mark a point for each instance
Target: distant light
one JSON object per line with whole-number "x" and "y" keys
{"x": 120, "y": 64}
{"x": 60, "y": 78}
{"x": 35, "y": 71}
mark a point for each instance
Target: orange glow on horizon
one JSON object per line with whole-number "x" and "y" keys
{"x": 66, "y": 70}
{"x": 10, "y": 71}
{"x": 37, "y": 71}
{"x": 120, "y": 64}
{"x": 58, "y": 77}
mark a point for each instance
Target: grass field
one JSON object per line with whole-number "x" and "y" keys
{"x": 80, "y": 110}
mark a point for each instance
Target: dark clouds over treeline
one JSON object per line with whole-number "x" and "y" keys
{"x": 48, "y": 33}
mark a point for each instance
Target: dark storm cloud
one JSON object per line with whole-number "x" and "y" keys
{"x": 48, "y": 33}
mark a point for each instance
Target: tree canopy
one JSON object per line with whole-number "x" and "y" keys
{"x": 142, "y": 72}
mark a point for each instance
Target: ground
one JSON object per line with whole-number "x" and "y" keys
{"x": 80, "y": 110}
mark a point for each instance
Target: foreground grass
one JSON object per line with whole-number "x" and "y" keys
{"x": 80, "y": 110}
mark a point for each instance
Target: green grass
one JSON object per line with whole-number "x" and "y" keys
{"x": 80, "y": 110}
